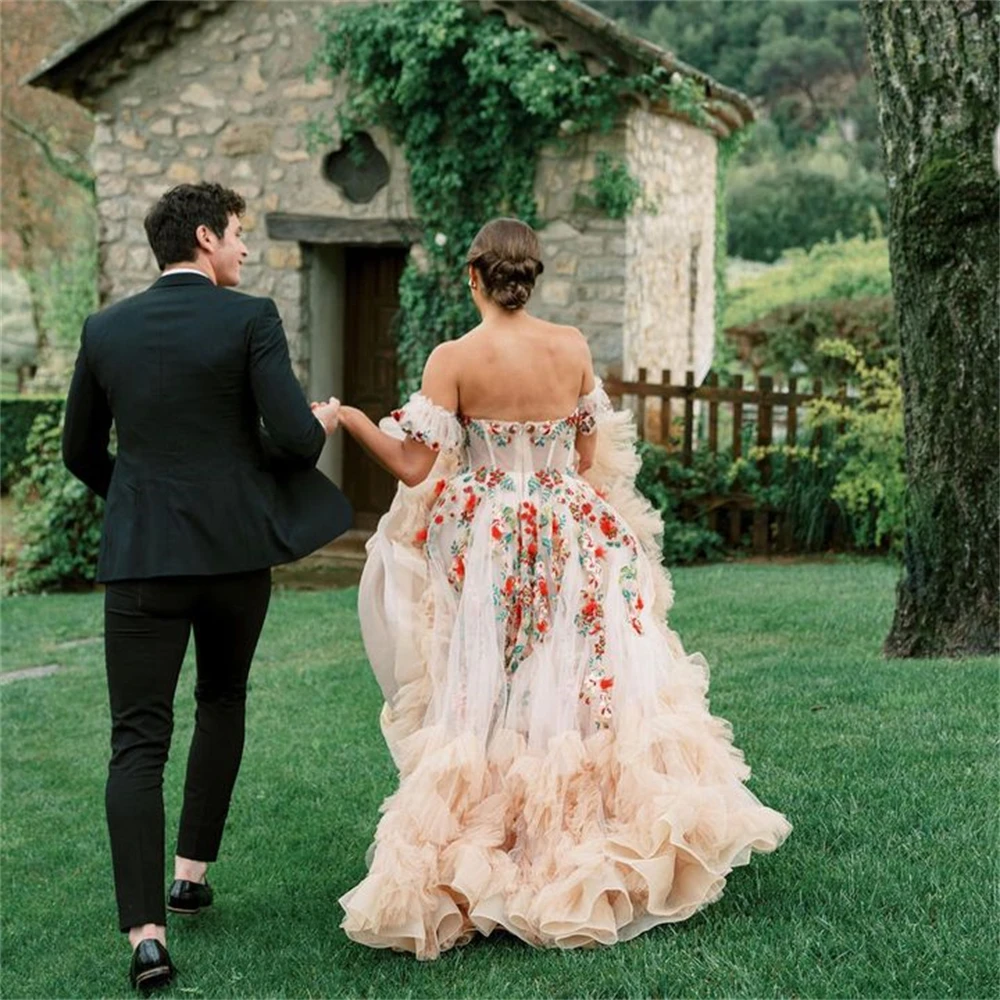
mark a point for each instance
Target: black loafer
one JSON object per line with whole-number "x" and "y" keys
{"x": 189, "y": 898}
{"x": 151, "y": 966}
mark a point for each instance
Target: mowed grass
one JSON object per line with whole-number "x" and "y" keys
{"x": 887, "y": 769}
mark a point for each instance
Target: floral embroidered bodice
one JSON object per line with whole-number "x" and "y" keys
{"x": 517, "y": 484}
{"x": 519, "y": 447}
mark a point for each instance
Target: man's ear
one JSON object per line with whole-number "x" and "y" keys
{"x": 205, "y": 237}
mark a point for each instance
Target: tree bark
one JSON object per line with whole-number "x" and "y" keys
{"x": 936, "y": 74}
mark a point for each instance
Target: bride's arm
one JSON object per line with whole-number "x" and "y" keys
{"x": 408, "y": 460}
{"x": 586, "y": 439}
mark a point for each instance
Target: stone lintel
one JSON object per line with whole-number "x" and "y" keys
{"x": 331, "y": 229}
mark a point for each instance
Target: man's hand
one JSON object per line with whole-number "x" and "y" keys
{"x": 327, "y": 414}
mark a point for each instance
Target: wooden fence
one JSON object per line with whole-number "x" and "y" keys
{"x": 739, "y": 406}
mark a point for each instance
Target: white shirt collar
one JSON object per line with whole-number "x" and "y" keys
{"x": 185, "y": 270}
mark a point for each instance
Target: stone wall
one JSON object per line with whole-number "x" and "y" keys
{"x": 228, "y": 104}
{"x": 583, "y": 250}
{"x": 670, "y": 269}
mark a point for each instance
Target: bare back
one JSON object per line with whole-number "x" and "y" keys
{"x": 521, "y": 368}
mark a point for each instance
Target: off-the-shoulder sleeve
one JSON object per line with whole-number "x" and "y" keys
{"x": 423, "y": 420}
{"x": 589, "y": 407}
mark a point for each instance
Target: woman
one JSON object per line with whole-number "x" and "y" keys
{"x": 560, "y": 774}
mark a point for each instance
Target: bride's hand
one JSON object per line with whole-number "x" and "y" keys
{"x": 328, "y": 414}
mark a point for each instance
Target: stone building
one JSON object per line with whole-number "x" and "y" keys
{"x": 208, "y": 90}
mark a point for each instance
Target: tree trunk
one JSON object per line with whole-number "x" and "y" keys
{"x": 936, "y": 73}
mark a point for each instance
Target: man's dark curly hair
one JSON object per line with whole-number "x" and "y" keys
{"x": 173, "y": 220}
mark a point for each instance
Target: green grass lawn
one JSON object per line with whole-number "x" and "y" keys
{"x": 887, "y": 770}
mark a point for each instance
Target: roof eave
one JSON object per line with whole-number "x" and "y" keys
{"x": 47, "y": 73}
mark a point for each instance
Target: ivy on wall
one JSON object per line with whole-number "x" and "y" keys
{"x": 471, "y": 101}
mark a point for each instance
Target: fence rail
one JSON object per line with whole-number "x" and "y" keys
{"x": 738, "y": 406}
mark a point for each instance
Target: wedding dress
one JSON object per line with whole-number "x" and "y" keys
{"x": 560, "y": 775}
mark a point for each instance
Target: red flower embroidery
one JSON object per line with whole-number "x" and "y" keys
{"x": 586, "y": 508}
{"x": 459, "y": 566}
{"x": 439, "y": 519}
{"x": 543, "y": 626}
{"x": 439, "y": 487}
{"x": 607, "y": 683}
{"x": 508, "y": 586}
{"x": 590, "y": 609}
{"x": 599, "y": 552}
{"x": 397, "y": 415}
{"x": 532, "y": 550}
{"x": 421, "y": 536}
{"x": 497, "y": 533}
{"x": 543, "y": 588}
{"x": 638, "y": 603}
{"x": 608, "y": 528}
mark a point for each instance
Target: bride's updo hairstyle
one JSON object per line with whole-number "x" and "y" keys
{"x": 507, "y": 258}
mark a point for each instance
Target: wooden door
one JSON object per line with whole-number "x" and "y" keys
{"x": 370, "y": 373}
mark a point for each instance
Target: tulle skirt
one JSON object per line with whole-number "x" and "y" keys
{"x": 567, "y": 805}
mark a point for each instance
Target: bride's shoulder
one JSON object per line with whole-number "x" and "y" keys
{"x": 568, "y": 336}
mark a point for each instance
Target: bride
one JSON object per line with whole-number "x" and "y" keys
{"x": 560, "y": 775}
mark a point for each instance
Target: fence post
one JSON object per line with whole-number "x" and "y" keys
{"x": 738, "y": 418}
{"x": 735, "y": 512}
{"x": 817, "y": 438}
{"x": 787, "y": 529}
{"x": 641, "y": 408}
{"x": 764, "y": 424}
{"x": 713, "y": 414}
{"x": 665, "y": 414}
{"x": 688, "y": 417}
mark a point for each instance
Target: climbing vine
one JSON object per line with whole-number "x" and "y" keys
{"x": 727, "y": 151}
{"x": 615, "y": 189}
{"x": 471, "y": 101}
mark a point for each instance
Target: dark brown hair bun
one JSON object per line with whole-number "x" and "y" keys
{"x": 507, "y": 256}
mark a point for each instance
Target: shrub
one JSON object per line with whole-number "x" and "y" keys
{"x": 870, "y": 453}
{"x": 787, "y": 340}
{"x": 850, "y": 484}
{"x": 17, "y": 414}
{"x": 58, "y": 519}
{"x": 848, "y": 269}
{"x": 673, "y": 489}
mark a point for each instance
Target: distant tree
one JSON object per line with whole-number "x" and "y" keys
{"x": 805, "y": 58}
{"x": 937, "y": 73}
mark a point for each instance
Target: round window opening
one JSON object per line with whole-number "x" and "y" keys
{"x": 357, "y": 168}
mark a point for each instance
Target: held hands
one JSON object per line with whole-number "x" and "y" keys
{"x": 328, "y": 414}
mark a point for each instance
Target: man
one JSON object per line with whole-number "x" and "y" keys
{"x": 214, "y": 482}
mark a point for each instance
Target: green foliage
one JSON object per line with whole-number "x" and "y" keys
{"x": 870, "y": 454}
{"x": 65, "y": 294}
{"x": 17, "y": 415}
{"x": 848, "y": 269}
{"x": 615, "y": 189}
{"x": 790, "y": 339}
{"x": 58, "y": 519}
{"x": 807, "y": 57}
{"x": 849, "y": 481}
{"x": 471, "y": 101}
{"x": 673, "y": 489}
{"x": 777, "y": 204}
{"x": 728, "y": 150}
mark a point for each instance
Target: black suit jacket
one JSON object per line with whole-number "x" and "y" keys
{"x": 215, "y": 468}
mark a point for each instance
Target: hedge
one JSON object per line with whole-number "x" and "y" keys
{"x": 17, "y": 414}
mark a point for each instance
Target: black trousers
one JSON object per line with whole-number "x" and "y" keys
{"x": 147, "y": 625}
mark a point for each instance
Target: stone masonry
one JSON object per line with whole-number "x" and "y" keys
{"x": 229, "y": 102}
